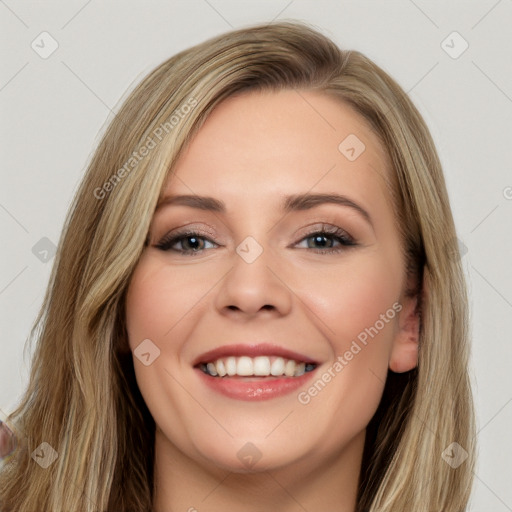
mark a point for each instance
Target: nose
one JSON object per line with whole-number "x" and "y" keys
{"x": 254, "y": 288}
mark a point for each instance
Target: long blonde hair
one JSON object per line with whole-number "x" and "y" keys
{"x": 82, "y": 398}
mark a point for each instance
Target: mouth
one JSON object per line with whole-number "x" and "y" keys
{"x": 254, "y": 372}
{"x": 260, "y": 366}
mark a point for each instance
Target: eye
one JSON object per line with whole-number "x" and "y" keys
{"x": 326, "y": 238}
{"x": 191, "y": 243}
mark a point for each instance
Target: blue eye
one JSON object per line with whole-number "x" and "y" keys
{"x": 193, "y": 243}
{"x": 326, "y": 240}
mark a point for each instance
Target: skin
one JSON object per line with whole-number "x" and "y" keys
{"x": 252, "y": 151}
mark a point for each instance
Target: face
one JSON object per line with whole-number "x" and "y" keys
{"x": 270, "y": 312}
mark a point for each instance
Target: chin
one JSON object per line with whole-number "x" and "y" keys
{"x": 251, "y": 456}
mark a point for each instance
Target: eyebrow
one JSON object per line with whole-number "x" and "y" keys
{"x": 296, "y": 202}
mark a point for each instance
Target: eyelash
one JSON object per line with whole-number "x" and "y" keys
{"x": 330, "y": 232}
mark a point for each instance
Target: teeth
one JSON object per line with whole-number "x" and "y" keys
{"x": 221, "y": 369}
{"x": 289, "y": 368}
{"x": 277, "y": 367}
{"x": 231, "y": 366}
{"x": 243, "y": 366}
{"x": 300, "y": 369}
{"x": 211, "y": 369}
{"x": 261, "y": 366}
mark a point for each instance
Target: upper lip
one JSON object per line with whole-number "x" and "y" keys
{"x": 251, "y": 350}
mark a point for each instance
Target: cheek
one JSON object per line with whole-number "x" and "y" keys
{"x": 358, "y": 313}
{"x": 163, "y": 305}
{"x": 159, "y": 301}
{"x": 364, "y": 289}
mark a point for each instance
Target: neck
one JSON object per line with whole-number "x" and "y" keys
{"x": 182, "y": 484}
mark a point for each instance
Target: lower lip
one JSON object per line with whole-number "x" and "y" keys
{"x": 265, "y": 388}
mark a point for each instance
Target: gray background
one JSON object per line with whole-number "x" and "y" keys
{"x": 53, "y": 110}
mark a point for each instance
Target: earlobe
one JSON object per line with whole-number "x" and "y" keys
{"x": 404, "y": 352}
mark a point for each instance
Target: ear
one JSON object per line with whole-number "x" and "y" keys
{"x": 404, "y": 352}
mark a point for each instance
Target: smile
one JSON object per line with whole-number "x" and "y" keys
{"x": 261, "y": 366}
{"x": 254, "y": 371}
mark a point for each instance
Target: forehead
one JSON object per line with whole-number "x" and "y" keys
{"x": 261, "y": 145}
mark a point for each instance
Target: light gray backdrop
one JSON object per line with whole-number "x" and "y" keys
{"x": 65, "y": 66}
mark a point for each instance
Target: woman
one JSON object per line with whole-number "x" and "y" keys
{"x": 255, "y": 304}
